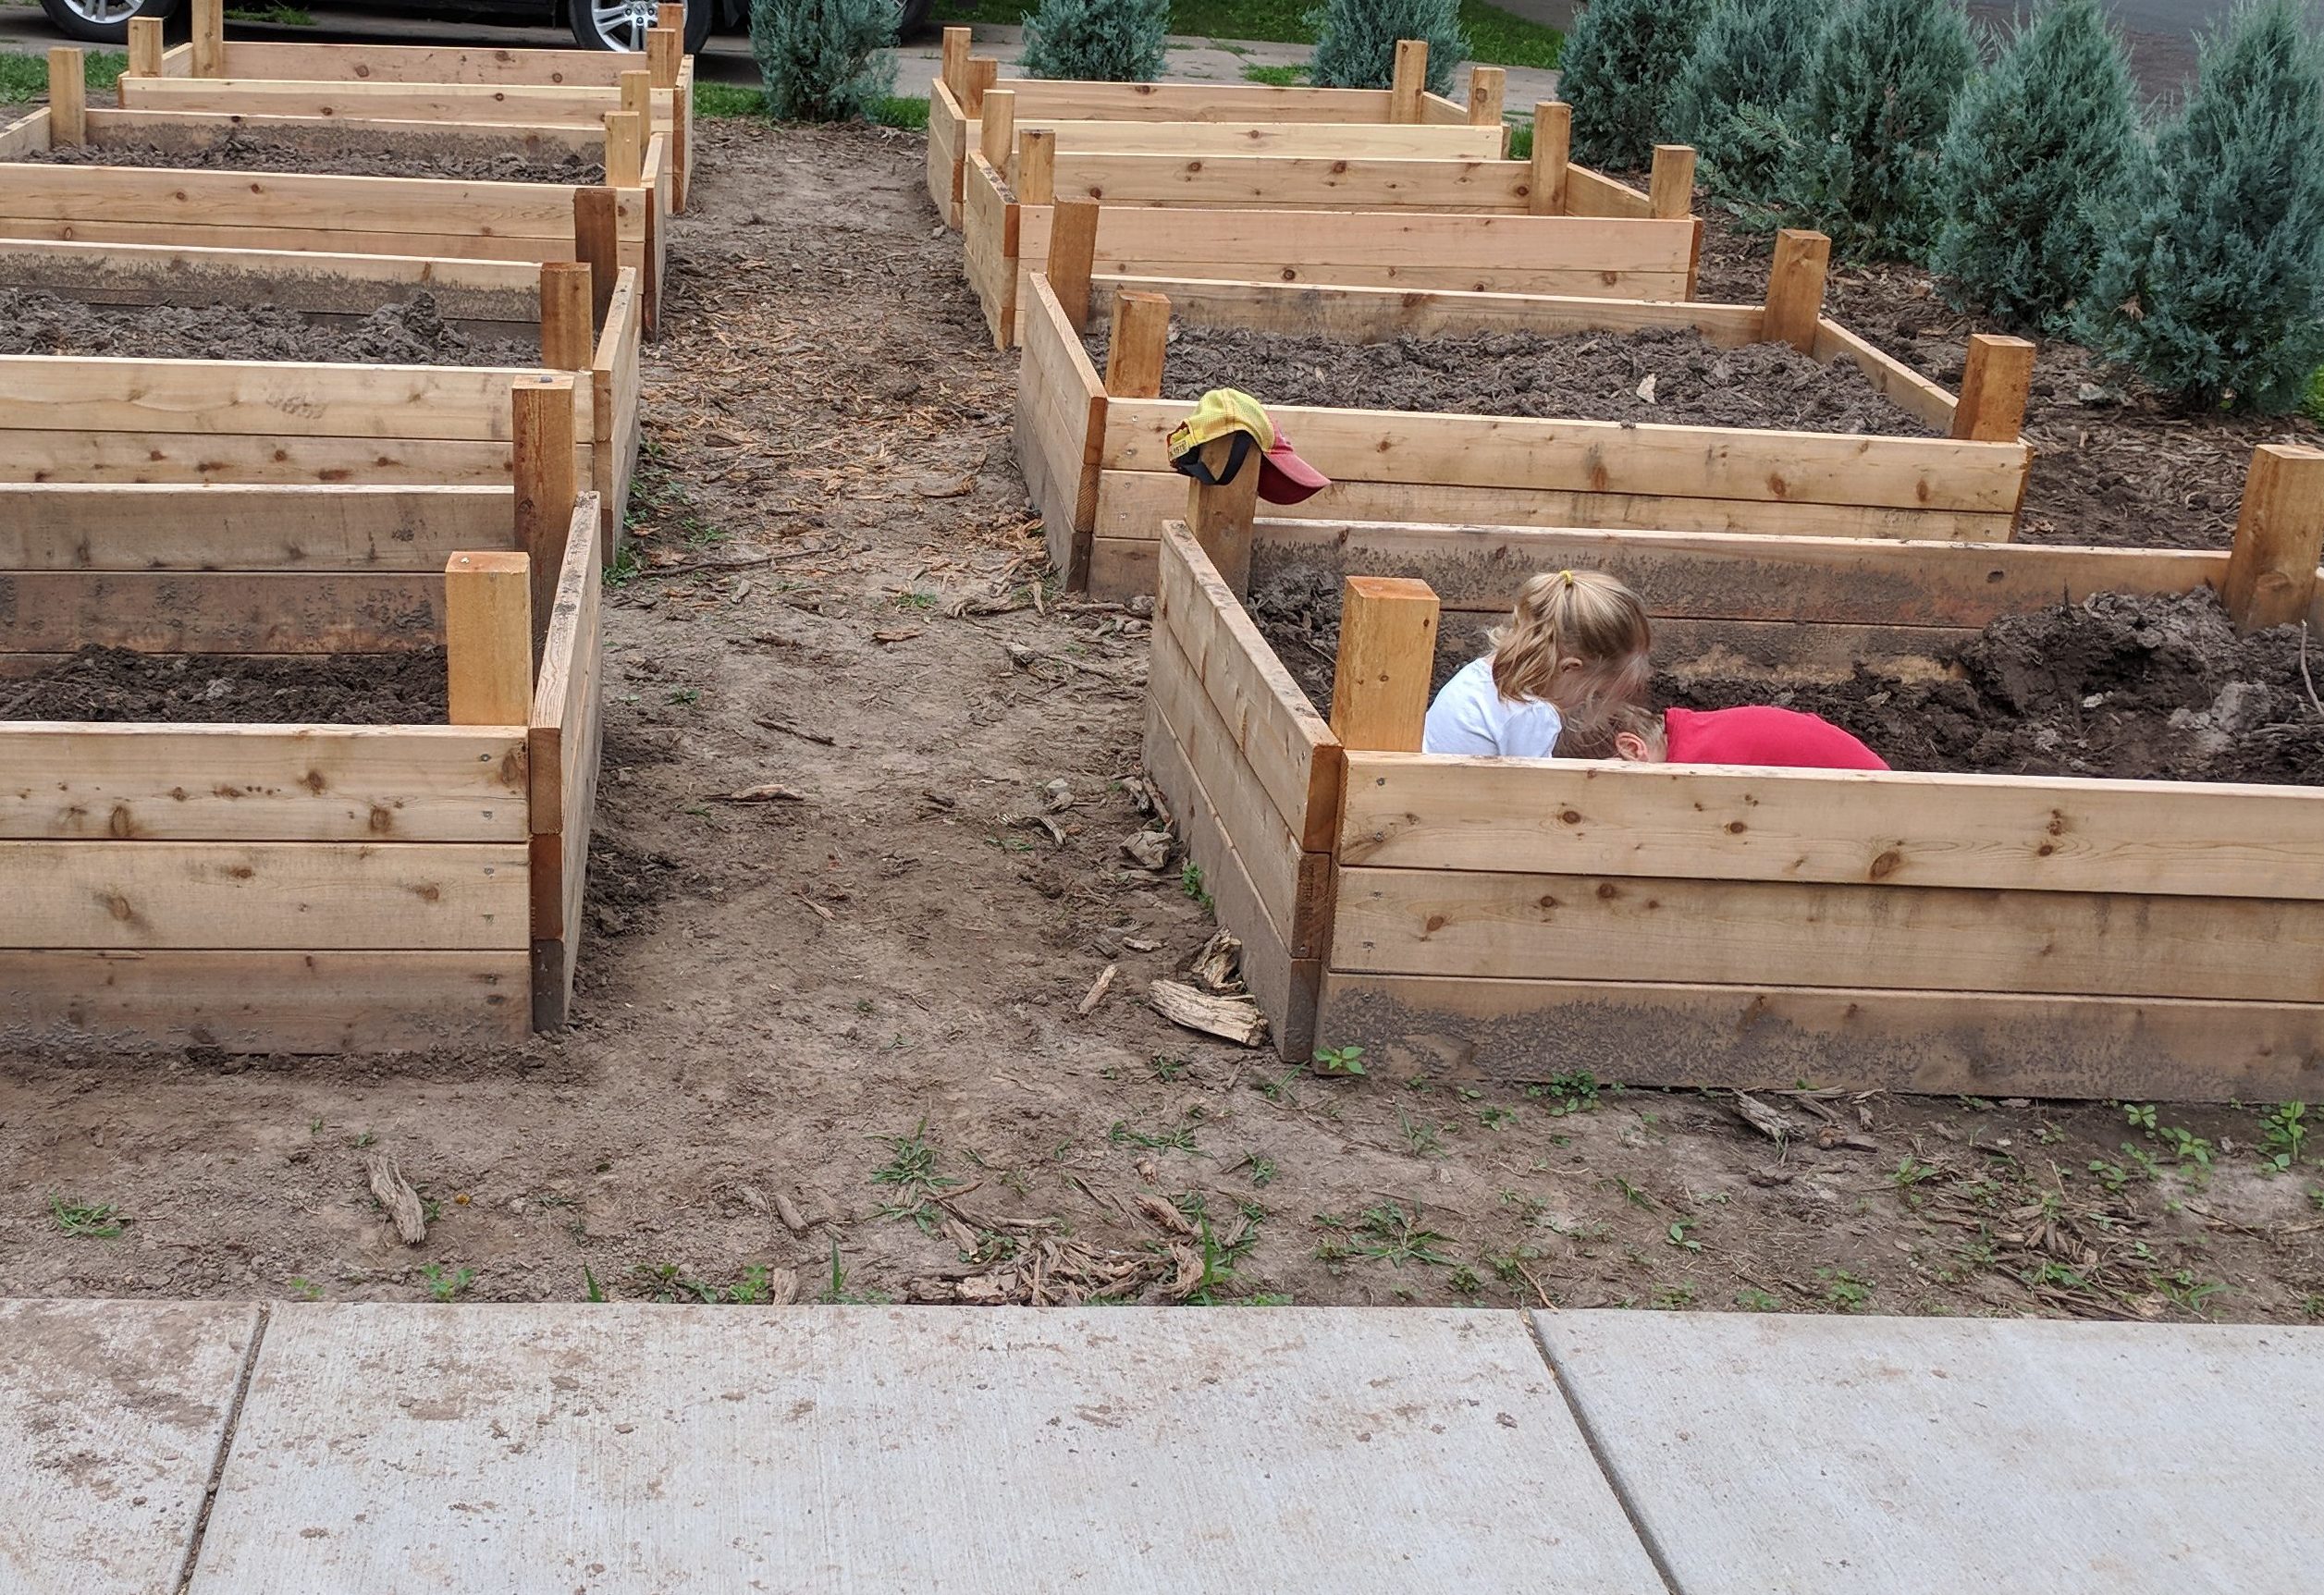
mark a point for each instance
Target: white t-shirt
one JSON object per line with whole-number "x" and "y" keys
{"x": 1472, "y": 717}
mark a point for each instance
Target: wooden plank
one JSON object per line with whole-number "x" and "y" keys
{"x": 194, "y": 129}
{"x": 98, "y": 229}
{"x": 989, "y": 243}
{"x": 1716, "y": 575}
{"x": 944, "y": 146}
{"x": 567, "y": 752}
{"x": 2009, "y": 833}
{"x": 1426, "y": 308}
{"x": 1062, "y": 424}
{"x": 1728, "y": 932}
{"x": 285, "y": 199}
{"x": 1289, "y": 748}
{"x": 170, "y": 274}
{"x": 283, "y": 896}
{"x": 1308, "y": 238}
{"x": 73, "y": 527}
{"x": 1277, "y": 182}
{"x": 28, "y": 135}
{"x": 250, "y": 1001}
{"x": 1330, "y": 140}
{"x": 97, "y": 393}
{"x": 1133, "y": 504}
{"x": 1292, "y": 885}
{"x": 1589, "y": 193}
{"x": 1613, "y": 457}
{"x": 183, "y": 458}
{"x": 524, "y": 105}
{"x": 259, "y": 783}
{"x": 1897, "y": 382}
{"x": 207, "y": 612}
{"x": 428, "y": 64}
{"x": 1285, "y": 988}
{"x": 1055, "y": 100}
{"x": 565, "y": 693}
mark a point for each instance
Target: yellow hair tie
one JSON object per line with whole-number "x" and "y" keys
{"x": 1567, "y": 576}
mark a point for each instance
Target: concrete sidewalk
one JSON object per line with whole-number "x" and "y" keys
{"x": 619, "y": 1449}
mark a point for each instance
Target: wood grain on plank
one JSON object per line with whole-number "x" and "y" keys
{"x": 60, "y": 526}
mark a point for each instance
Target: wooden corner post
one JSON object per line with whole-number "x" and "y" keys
{"x": 1488, "y": 87}
{"x": 1670, "y": 187}
{"x": 955, "y": 72}
{"x": 1994, "y": 383}
{"x": 146, "y": 44}
{"x": 1035, "y": 180}
{"x": 1795, "y": 289}
{"x": 597, "y": 244}
{"x": 1136, "y": 345}
{"x": 1553, "y": 155}
{"x": 568, "y": 323}
{"x": 209, "y": 38}
{"x": 1387, "y": 653}
{"x": 489, "y": 638}
{"x": 664, "y": 48}
{"x": 984, "y": 71}
{"x": 2271, "y": 574}
{"x": 637, "y": 98}
{"x": 1220, "y": 517}
{"x": 671, "y": 14}
{"x": 548, "y": 478}
{"x": 1072, "y": 257}
{"x": 67, "y": 97}
{"x": 624, "y": 150}
{"x": 1410, "y": 81}
{"x": 997, "y": 134}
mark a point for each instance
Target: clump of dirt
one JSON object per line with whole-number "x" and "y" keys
{"x": 2113, "y": 464}
{"x": 1671, "y": 376}
{"x": 410, "y": 332}
{"x": 115, "y": 684}
{"x": 347, "y": 152}
{"x": 2119, "y": 687}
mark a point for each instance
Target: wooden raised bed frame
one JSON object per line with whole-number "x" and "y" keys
{"x": 1092, "y": 450}
{"x": 1740, "y": 927}
{"x": 100, "y": 419}
{"x": 1446, "y": 222}
{"x": 1201, "y": 119}
{"x": 620, "y": 223}
{"x": 308, "y": 888}
{"x": 437, "y": 85}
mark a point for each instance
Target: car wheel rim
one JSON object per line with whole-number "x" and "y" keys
{"x": 622, "y": 24}
{"x": 103, "y": 12}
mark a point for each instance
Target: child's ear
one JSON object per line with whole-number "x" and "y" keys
{"x": 1631, "y": 746}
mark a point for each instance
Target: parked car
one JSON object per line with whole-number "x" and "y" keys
{"x": 595, "y": 24}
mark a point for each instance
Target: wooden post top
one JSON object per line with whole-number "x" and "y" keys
{"x": 1387, "y": 651}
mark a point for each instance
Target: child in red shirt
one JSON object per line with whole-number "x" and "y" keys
{"x": 1754, "y": 734}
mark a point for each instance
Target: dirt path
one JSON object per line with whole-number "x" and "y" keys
{"x": 802, "y": 1020}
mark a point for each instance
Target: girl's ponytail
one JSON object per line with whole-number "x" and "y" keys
{"x": 1583, "y": 616}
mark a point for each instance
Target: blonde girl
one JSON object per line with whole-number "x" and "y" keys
{"x": 1575, "y": 646}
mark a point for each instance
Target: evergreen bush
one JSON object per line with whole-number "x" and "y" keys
{"x": 2039, "y": 151}
{"x": 823, "y": 60}
{"x": 1356, "y": 42}
{"x": 1730, "y": 97}
{"x": 1867, "y": 121}
{"x": 2213, "y": 287}
{"x": 1096, "y": 40}
{"x": 1621, "y": 60}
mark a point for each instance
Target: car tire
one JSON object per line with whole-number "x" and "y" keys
{"x": 102, "y": 22}
{"x": 912, "y": 18}
{"x": 622, "y": 24}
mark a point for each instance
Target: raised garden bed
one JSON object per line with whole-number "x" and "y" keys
{"x": 1092, "y": 444}
{"x": 256, "y": 886}
{"x": 1425, "y": 222}
{"x": 1991, "y": 934}
{"x": 130, "y": 419}
{"x": 1193, "y": 119}
{"x": 85, "y": 173}
{"x": 423, "y": 84}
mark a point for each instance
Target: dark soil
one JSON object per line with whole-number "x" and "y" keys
{"x": 2126, "y": 688}
{"x": 186, "y": 689}
{"x": 410, "y": 332}
{"x": 345, "y": 153}
{"x": 2113, "y": 464}
{"x": 1586, "y": 376}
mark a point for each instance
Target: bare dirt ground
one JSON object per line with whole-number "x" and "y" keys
{"x": 845, "y": 1025}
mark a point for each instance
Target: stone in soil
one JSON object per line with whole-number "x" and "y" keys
{"x": 116, "y": 685}
{"x": 1583, "y": 377}
{"x": 410, "y": 332}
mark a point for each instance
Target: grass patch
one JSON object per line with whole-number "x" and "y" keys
{"x": 734, "y": 100}
{"x": 279, "y": 16}
{"x": 25, "y": 77}
{"x": 1277, "y": 77}
{"x": 1497, "y": 37}
{"x": 2314, "y": 408}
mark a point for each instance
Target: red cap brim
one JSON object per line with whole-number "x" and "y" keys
{"x": 1284, "y": 478}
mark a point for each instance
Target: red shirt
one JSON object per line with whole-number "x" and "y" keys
{"x": 1763, "y": 735}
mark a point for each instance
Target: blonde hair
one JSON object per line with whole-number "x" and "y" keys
{"x": 1584, "y": 616}
{"x": 1594, "y": 738}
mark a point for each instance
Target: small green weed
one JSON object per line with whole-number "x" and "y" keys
{"x": 444, "y": 1284}
{"x": 1424, "y": 1136}
{"x": 1339, "y": 1060}
{"x": 1573, "y": 1093}
{"x": 1497, "y": 1118}
{"x": 85, "y": 1220}
{"x": 1844, "y": 1290}
{"x": 1191, "y": 882}
{"x": 911, "y": 1172}
{"x": 306, "y": 1290}
{"x": 1391, "y": 1234}
{"x": 2283, "y": 1132}
{"x": 1277, "y": 77}
{"x": 2188, "y": 1291}
{"x": 836, "y": 1293}
{"x": 1751, "y": 1299}
{"x": 1676, "y": 1234}
{"x": 1177, "y": 1139}
{"x": 1168, "y": 1069}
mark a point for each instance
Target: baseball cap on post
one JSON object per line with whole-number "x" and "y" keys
{"x": 1284, "y": 477}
